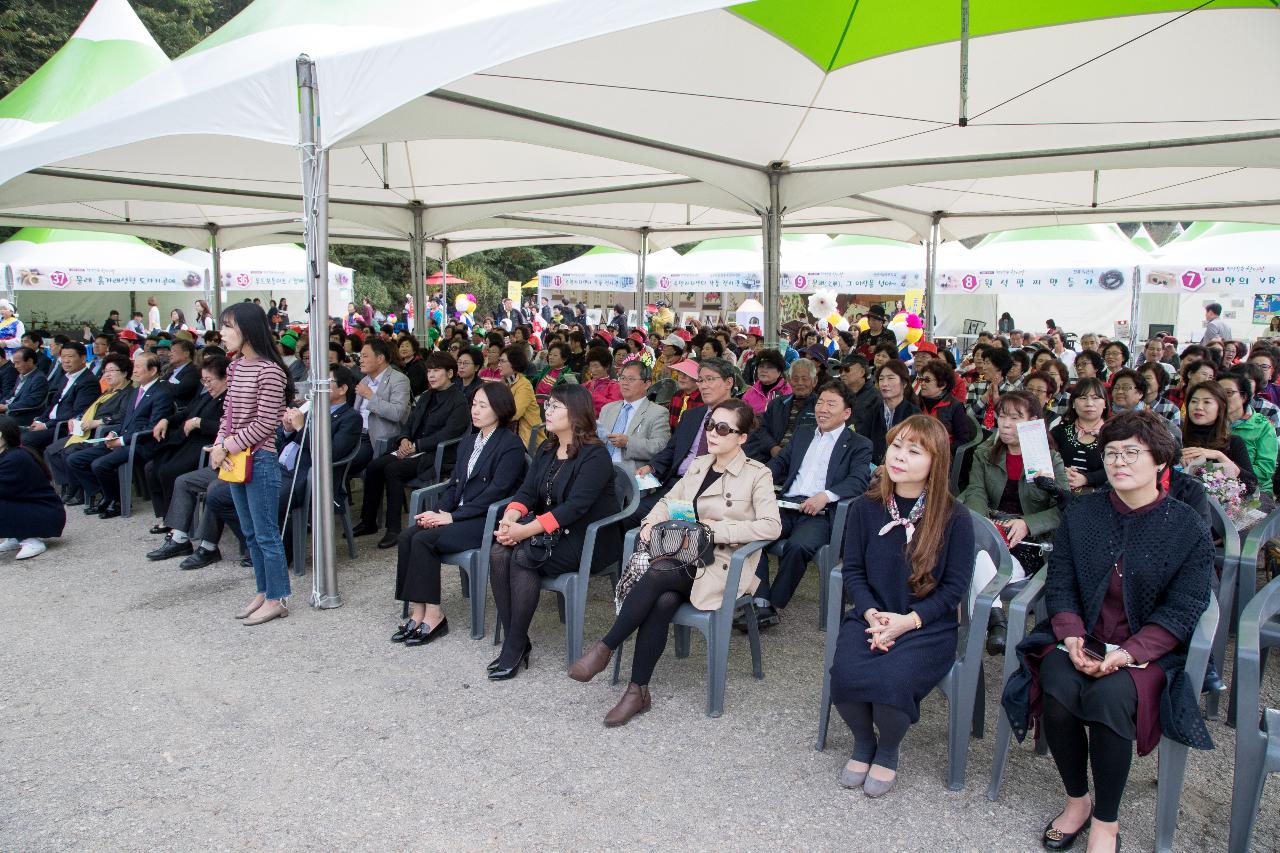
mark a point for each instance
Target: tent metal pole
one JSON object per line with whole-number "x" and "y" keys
{"x": 772, "y": 223}
{"x": 642, "y": 260}
{"x": 1134, "y": 312}
{"x": 444, "y": 282}
{"x": 931, "y": 277}
{"x": 9, "y": 292}
{"x": 315, "y": 217}
{"x": 215, "y": 261}
{"x": 418, "y": 272}
{"x": 964, "y": 63}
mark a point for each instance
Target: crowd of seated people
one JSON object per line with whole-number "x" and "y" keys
{"x": 754, "y": 438}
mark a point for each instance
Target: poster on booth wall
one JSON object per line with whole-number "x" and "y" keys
{"x": 883, "y": 282}
{"x": 1034, "y": 281}
{"x": 1265, "y": 306}
{"x": 91, "y": 278}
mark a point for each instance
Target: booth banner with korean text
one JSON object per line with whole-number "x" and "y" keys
{"x": 89, "y": 278}
{"x": 953, "y": 282}
{"x": 852, "y": 282}
{"x": 702, "y": 282}
{"x": 1241, "y": 278}
{"x": 276, "y": 280}
{"x": 587, "y": 281}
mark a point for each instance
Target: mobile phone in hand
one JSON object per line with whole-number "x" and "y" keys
{"x": 1094, "y": 648}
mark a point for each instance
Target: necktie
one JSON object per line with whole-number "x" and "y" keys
{"x": 138, "y": 398}
{"x": 702, "y": 434}
{"x": 620, "y": 426}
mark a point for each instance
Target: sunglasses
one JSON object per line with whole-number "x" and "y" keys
{"x": 720, "y": 428}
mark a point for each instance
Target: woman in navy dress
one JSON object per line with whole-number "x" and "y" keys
{"x": 908, "y": 560}
{"x": 30, "y": 510}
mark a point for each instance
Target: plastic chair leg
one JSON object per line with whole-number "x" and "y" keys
{"x": 298, "y": 529}
{"x": 1172, "y": 769}
{"x": 682, "y": 641}
{"x": 753, "y": 638}
{"x": 345, "y": 512}
{"x": 717, "y": 670}
{"x": 617, "y": 662}
{"x": 979, "y": 728}
{"x": 124, "y": 476}
{"x": 1246, "y": 793}
{"x": 480, "y": 583}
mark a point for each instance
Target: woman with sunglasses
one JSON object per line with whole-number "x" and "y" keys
{"x": 543, "y": 531}
{"x": 732, "y": 495}
{"x": 1127, "y": 582}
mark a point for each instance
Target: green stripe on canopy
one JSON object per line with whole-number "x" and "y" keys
{"x": 65, "y": 235}
{"x": 79, "y": 75}
{"x": 606, "y": 250}
{"x": 836, "y": 33}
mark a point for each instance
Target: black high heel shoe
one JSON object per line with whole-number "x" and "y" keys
{"x": 493, "y": 664}
{"x": 512, "y": 671}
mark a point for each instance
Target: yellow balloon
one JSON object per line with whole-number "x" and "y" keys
{"x": 914, "y": 335}
{"x": 863, "y": 325}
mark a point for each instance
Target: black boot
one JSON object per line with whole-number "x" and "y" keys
{"x": 997, "y": 631}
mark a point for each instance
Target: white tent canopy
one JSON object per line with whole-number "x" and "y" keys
{"x": 51, "y": 260}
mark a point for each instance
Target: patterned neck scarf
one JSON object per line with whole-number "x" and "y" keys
{"x": 917, "y": 512}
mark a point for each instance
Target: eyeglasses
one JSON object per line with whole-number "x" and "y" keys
{"x": 552, "y": 406}
{"x": 1124, "y": 389}
{"x": 1129, "y": 455}
{"x": 720, "y": 428}
{"x": 707, "y": 380}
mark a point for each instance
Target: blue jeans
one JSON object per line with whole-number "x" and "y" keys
{"x": 257, "y": 505}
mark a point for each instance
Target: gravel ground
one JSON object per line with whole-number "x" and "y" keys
{"x": 138, "y": 715}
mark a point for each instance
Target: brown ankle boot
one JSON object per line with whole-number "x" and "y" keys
{"x": 591, "y": 664}
{"x": 634, "y": 701}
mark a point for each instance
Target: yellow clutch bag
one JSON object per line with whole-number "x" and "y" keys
{"x": 241, "y": 470}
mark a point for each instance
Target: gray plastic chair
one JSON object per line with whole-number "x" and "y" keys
{"x": 965, "y": 684}
{"x": 1247, "y": 584}
{"x": 716, "y": 626}
{"x": 1257, "y": 734}
{"x": 1227, "y": 558}
{"x": 301, "y": 514}
{"x": 824, "y": 556}
{"x": 1172, "y": 755}
{"x": 536, "y": 436}
{"x": 571, "y": 587}
{"x": 126, "y": 479}
{"x": 963, "y": 452}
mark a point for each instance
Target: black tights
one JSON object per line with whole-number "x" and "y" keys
{"x": 1073, "y": 751}
{"x": 648, "y": 610}
{"x": 516, "y": 592}
{"x": 878, "y": 745}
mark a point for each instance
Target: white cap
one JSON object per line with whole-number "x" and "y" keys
{"x": 5, "y": 303}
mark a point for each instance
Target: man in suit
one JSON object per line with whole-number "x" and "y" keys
{"x": 101, "y": 346}
{"x": 76, "y": 390}
{"x": 382, "y": 401}
{"x": 688, "y": 440}
{"x": 29, "y": 393}
{"x": 44, "y": 364}
{"x": 441, "y": 413}
{"x": 822, "y": 465}
{"x": 8, "y": 375}
{"x": 94, "y": 469}
{"x": 633, "y": 428}
{"x": 53, "y": 373}
{"x": 182, "y": 377}
{"x": 785, "y": 415}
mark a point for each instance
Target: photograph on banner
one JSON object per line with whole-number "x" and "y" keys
{"x": 861, "y": 282}
{"x": 1038, "y": 281}
{"x": 1265, "y": 306}
{"x": 1224, "y": 279}
{"x": 513, "y": 291}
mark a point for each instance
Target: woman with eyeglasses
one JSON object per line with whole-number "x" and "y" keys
{"x": 731, "y": 494}
{"x": 1128, "y": 580}
{"x": 543, "y": 531}
{"x": 1077, "y": 436}
{"x": 1000, "y": 490}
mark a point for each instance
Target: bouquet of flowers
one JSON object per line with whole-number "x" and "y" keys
{"x": 1227, "y": 491}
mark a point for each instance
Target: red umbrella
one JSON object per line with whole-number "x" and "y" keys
{"x": 434, "y": 280}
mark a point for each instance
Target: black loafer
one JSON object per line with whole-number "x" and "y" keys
{"x": 171, "y": 549}
{"x": 93, "y": 507}
{"x": 201, "y": 558}
{"x": 73, "y": 499}
{"x": 404, "y": 631}
{"x": 160, "y": 530}
{"x": 111, "y": 510}
{"x": 425, "y": 635}
{"x": 363, "y": 529}
{"x": 246, "y": 562}
{"x": 389, "y": 539}
{"x": 1056, "y": 839}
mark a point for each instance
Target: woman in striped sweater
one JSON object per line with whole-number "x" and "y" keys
{"x": 257, "y": 387}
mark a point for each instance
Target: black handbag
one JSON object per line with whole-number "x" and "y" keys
{"x": 534, "y": 552}
{"x": 680, "y": 545}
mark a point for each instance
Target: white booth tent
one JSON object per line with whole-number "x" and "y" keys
{"x": 1234, "y": 264}
{"x": 1080, "y": 276}
{"x": 727, "y": 264}
{"x": 269, "y": 272}
{"x": 66, "y": 275}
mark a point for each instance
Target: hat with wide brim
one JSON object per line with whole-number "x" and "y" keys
{"x": 688, "y": 367}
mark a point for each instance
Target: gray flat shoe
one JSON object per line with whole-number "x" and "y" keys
{"x": 875, "y": 788}
{"x": 851, "y": 778}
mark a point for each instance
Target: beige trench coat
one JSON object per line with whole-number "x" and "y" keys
{"x": 739, "y": 508}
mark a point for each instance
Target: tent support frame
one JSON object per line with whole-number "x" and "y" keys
{"x": 642, "y": 258}
{"x": 215, "y": 272}
{"x": 315, "y": 184}
{"x": 418, "y": 275}
{"x": 771, "y": 221}
{"x": 931, "y": 276}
